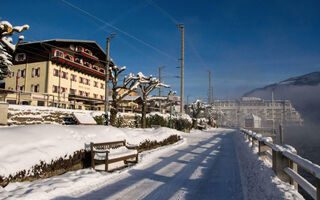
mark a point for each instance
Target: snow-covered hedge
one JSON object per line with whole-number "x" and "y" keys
{"x": 30, "y": 151}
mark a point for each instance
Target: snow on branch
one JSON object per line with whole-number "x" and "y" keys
{"x": 7, "y": 48}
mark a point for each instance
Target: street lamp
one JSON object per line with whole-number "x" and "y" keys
{"x": 106, "y": 96}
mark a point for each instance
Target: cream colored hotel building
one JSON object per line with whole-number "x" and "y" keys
{"x": 59, "y": 73}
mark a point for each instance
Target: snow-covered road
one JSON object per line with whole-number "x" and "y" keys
{"x": 205, "y": 167}
{"x": 213, "y": 164}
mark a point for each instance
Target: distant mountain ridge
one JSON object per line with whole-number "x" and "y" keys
{"x": 303, "y": 91}
{"x": 311, "y": 79}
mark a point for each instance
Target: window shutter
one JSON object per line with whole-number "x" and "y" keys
{"x": 18, "y": 74}
{"x": 32, "y": 88}
{"x": 38, "y": 88}
{"x": 38, "y": 71}
{"x": 32, "y": 74}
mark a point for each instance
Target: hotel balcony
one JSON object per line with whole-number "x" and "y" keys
{"x": 77, "y": 64}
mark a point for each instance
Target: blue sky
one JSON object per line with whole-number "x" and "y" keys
{"x": 246, "y": 44}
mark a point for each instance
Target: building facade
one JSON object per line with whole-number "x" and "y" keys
{"x": 59, "y": 73}
{"x": 272, "y": 113}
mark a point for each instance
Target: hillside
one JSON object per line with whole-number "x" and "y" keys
{"x": 303, "y": 91}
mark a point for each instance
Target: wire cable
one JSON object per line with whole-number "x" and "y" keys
{"x": 120, "y": 30}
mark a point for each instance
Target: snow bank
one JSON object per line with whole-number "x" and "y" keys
{"x": 257, "y": 177}
{"x": 21, "y": 147}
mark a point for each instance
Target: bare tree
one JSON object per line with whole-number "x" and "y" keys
{"x": 147, "y": 85}
{"x": 129, "y": 85}
{"x": 6, "y": 46}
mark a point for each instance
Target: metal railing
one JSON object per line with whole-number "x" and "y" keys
{"x": 285, "y": 163}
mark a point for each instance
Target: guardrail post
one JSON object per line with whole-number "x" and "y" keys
{"x": 318, "y": 188}
{"x": 279, "y": 163}
{"x": 253, "y": 141}
{"x": 262, "y": 149}
{"x": 294, "y": 167}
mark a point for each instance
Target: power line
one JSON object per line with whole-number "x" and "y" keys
{"x": 163, "y": 11}
{"x": 175, "y": 21}
{"x": 120, "y": 30}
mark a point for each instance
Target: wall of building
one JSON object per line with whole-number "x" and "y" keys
{"x": 236, "y": 110}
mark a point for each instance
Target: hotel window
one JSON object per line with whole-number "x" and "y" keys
{"x": 102, "y": 71}
{"x": 87, "y": 82}
{"x": 95, "y": 83}
{"x": 80, "y": 93}
{"x": 11, "y": 74}
{"x": 35, "y": 88}
{"x": 64, "y": 75}
{"x": 21, "y": 88}
{"x": 94, "y": 67}
{"x": 55, "y": 89}
{"x": 55, "y": 72}
{"x": 63, "y": 90}
{"x": 101, "y": 85}
{"x": 73, "y": 91}
{"x": 20, "y": 57}
{"x": 58, "y": 53}
{"x": 87, "y": 94}
{"x": 73, "y": 77}
{"x": 95, "y": 96}
{"x": 101, "y": 97}
{"x": 35, "y": 72}
{"x": 69, "y": 57}
{"x": 22, "y": 73}
{"x": 81, "y": 80}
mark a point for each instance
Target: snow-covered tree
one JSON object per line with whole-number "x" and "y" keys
{"x": 195, "y": 109}
{"x": 129, "y": 85}
{"x": 146, "y": 86}
{"x": 6, "y": 47}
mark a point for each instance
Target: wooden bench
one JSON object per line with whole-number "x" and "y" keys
{"x": 110, "y": 152}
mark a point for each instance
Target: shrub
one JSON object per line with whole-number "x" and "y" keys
{"x": 157, "y": 120}
{"x": 99, "y": 119}
{"x": 182, "y": 124}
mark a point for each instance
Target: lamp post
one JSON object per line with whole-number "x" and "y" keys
{"x": 106, "y": 96}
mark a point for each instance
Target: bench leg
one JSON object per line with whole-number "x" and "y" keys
{"x": 106, "y": 167}
{"x": 93, "y": 164}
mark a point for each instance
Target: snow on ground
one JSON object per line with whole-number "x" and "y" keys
{"x": 14, "y": 109}
{"x": 21, "y": 147}
{"x": 212, "y": 164}
{"x": 257, "y": 175}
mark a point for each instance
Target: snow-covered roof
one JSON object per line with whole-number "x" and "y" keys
{"x": 85, "y": 119}
{"x": 64, "y": 40}
{"x": 130, "y": 98}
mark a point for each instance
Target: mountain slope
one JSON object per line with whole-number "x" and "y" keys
{"x": 303, "y": 92}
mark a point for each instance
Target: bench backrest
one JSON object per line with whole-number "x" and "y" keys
{"x": 108, "y": 145}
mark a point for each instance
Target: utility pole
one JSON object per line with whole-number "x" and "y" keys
{"x": 181, "y": 26}
{"x": 210, "y": 96}
{"x": 106, "y": 96}
{"x": 211, "y": 91}
{"x": 160, "y": 68}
